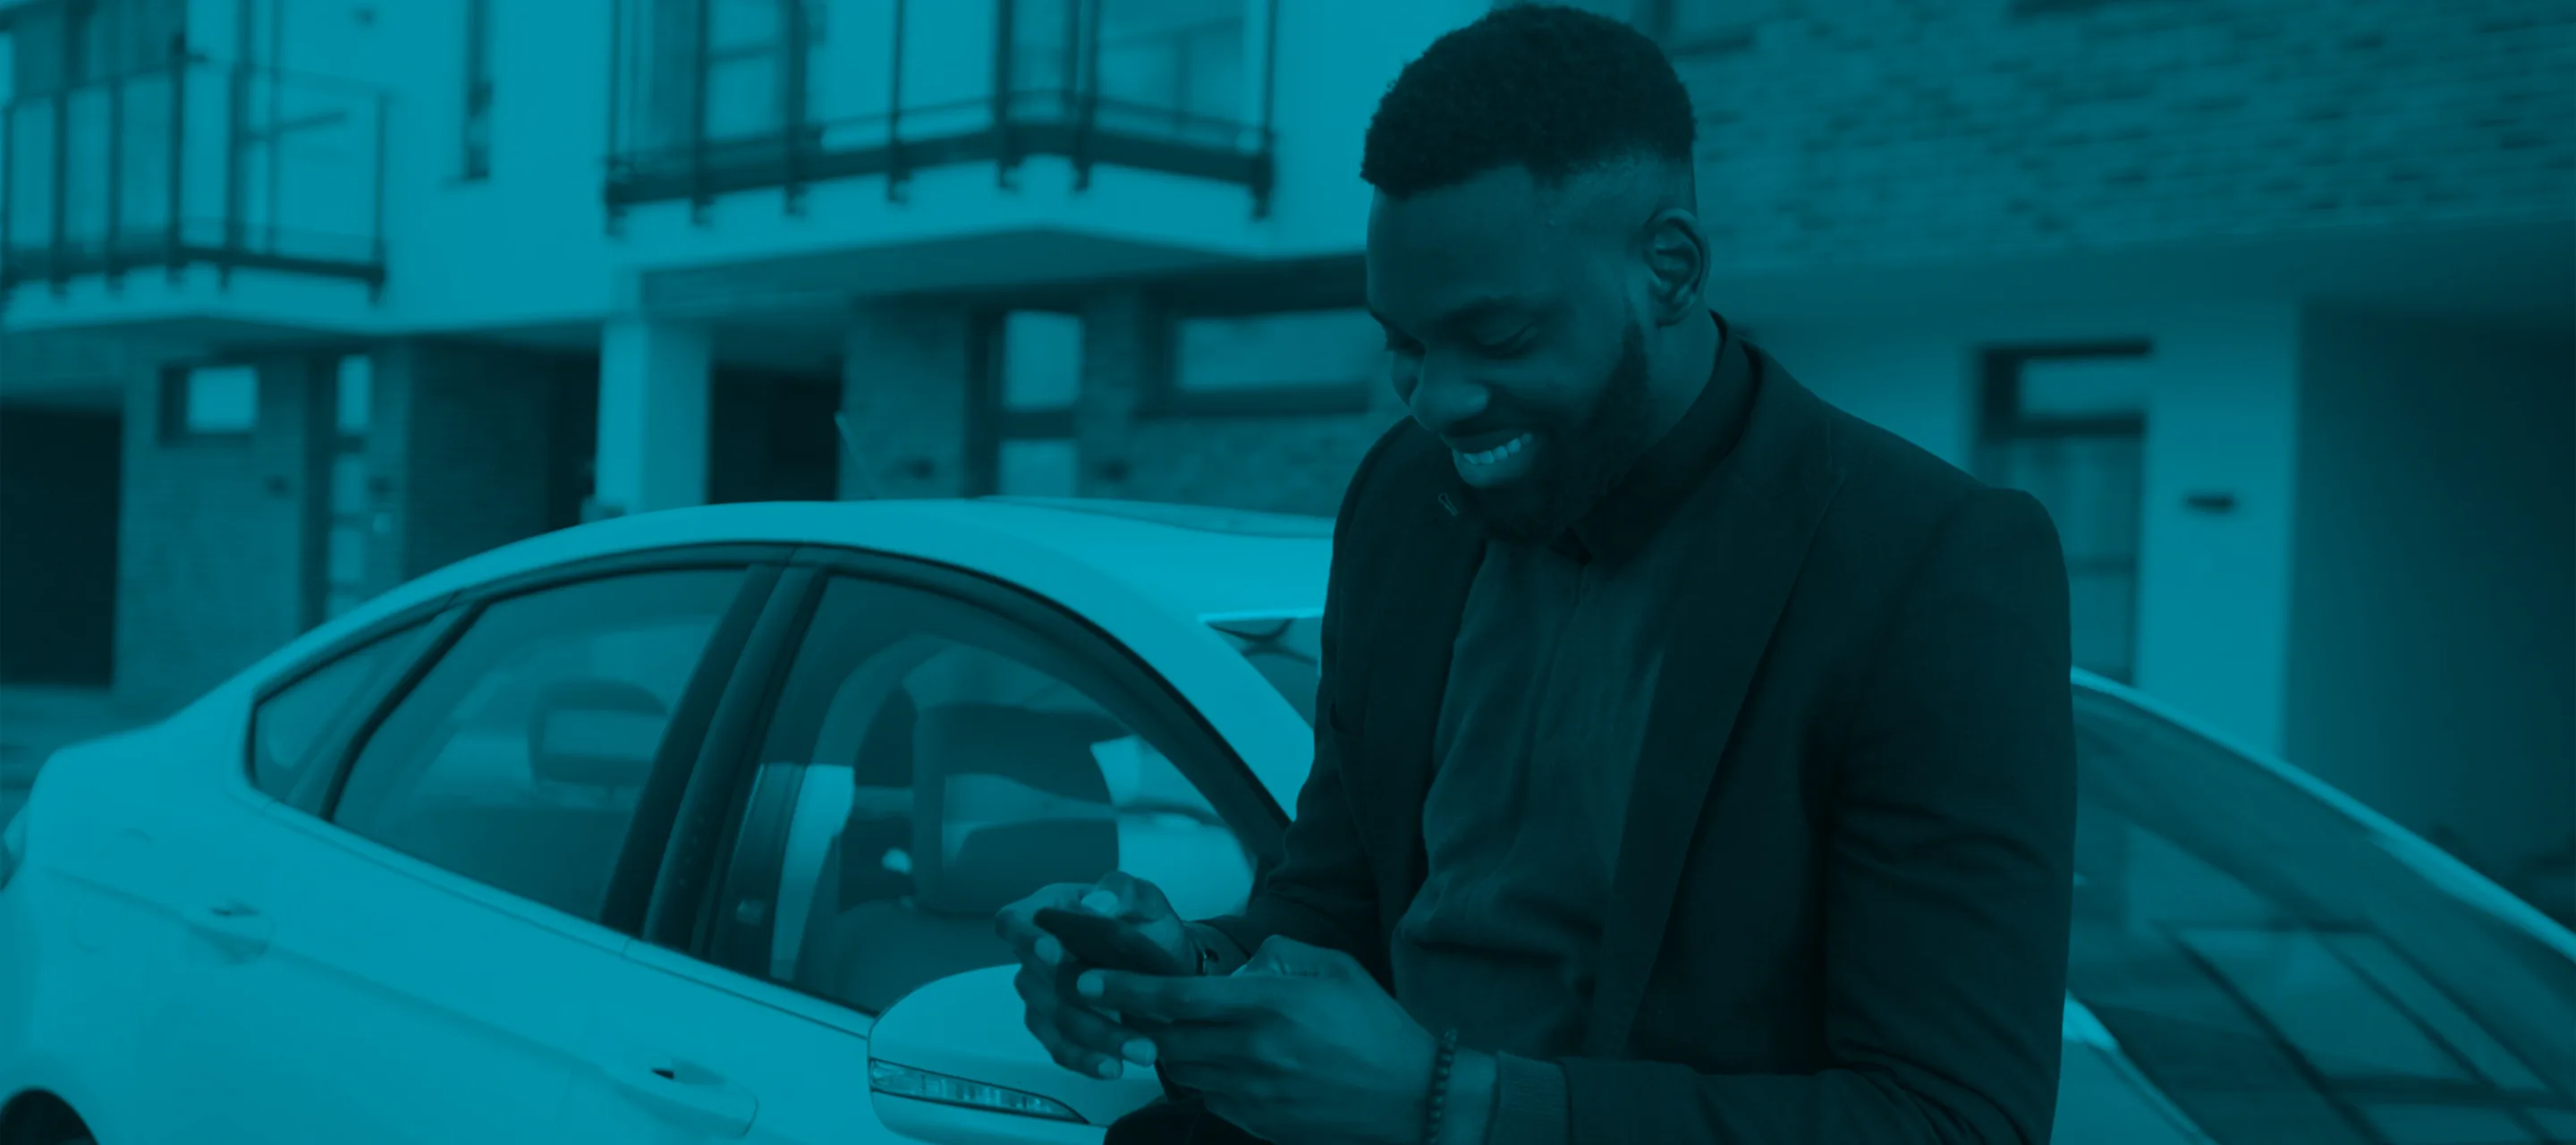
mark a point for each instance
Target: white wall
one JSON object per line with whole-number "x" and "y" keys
{"x": 2433, "y": 663}
{"x": 530, "y": 245}
{"x": 2213, "y": 590}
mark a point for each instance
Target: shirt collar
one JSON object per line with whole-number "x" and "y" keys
{"x": 1625, "y": 519}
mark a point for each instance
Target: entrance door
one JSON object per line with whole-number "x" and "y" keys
{"x": 2068, "y": 425}
{"x": 59, "y": 498}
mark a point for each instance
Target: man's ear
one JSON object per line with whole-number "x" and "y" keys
{"x": 1677, "y": 262}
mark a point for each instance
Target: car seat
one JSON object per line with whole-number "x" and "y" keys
{"x": 1005, "y": 801}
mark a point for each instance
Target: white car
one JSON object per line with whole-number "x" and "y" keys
{"x": 689, "y": 827}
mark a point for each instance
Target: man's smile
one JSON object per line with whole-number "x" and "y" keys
{"x": 1487, "y": 462}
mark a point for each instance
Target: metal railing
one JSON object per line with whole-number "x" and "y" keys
{"x": 196, "y": 162}
{"x": 718, "y": 96}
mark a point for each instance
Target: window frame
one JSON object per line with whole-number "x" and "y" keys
{"x": 427, "y": 626}
{"x": 2003, "y": 421}
{"x": 695, "y": 733}
{"x": 474, "y": 151}
{"x": 1168, "y": 396}
{"x": 759, "y": 808}
{"x": 172, "y": 422}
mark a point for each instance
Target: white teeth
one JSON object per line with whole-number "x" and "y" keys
{"x": 1498, "y": 452}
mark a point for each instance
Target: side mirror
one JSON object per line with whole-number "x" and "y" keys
{"x": 953, "y": 1063}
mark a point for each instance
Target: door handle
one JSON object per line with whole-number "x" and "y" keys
{"x": 232, "y": 926}
{"x": 689, "y": 1096}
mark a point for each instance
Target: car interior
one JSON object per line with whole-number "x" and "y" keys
{"x": 555, "y": 837}
{"x": 974, "y": 781}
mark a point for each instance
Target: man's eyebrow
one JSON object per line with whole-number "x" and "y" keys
{"x": 1469, "y": 312}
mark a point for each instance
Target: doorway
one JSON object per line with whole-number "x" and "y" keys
{"x": 61, "y": 480}
{"x": 2068, "y": 425}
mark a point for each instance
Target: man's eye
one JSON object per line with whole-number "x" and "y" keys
{"x": 1505, "y": 347}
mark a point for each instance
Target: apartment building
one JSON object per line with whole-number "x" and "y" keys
{"x": 2272, "y": 301}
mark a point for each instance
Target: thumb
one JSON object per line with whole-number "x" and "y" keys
{"x": 1124, "y": 896}
{"x": 1287, "y": 956}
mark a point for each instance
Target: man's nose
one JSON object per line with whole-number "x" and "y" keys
{"x": 1444, "y": 400}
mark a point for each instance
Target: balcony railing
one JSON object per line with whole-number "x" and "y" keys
{"x": 713, "y": 97}
{"x": 189, "y": 164}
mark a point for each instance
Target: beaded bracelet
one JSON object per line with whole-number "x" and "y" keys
{"x": 1439, "y": 1097}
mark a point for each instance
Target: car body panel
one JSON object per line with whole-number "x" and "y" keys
{"x": 141, "y": 846}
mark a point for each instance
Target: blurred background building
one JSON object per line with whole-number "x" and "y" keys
{"x": 2273, "y": 302}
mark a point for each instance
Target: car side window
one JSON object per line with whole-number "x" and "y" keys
{"x": 292, "y": 726}
{"x": 518, "y": 759}
{"x": 944, "y": 763}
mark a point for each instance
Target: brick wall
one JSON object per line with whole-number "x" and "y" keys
{"x": 1867, "y": 132}
{"x": 1274, "y": 464}
{"x": 905, "y": 372}
{"x": 214, "y": 539}
{"x": 462, "y": 453}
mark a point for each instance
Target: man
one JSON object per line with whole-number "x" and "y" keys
{"x": 1693, "y": 761}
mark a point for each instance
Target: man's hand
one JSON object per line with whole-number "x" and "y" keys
{"x": 1081, "y": 1038}
{"x": 1300, "y": 1045}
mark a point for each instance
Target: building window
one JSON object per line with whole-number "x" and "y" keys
{"x": 1312, "y": 361}
{"x": 1039, "y": 361}
{"x": 344, "y": 576}
{"x": 2068, "y": 425}
{"x": 477, "y": 139}
{"x": 209, "y": 402}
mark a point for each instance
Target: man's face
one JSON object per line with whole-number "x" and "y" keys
{"x": 1515, "y": 342}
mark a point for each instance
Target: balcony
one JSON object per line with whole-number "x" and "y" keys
{"x": 193, "y": 163}
{"x": 713, "y": 97}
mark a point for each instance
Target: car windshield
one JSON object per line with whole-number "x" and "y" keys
{"x": 2281, "y": 971}
{"x": 2284, "y": 973}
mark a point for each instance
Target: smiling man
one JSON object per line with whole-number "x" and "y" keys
{"x": 1694, "y": 762}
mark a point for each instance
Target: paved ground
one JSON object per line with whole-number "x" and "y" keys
{"x": 36, "y": 721}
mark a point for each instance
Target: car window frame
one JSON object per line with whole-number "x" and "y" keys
{"x": 423, "y": 627}
{"x": 760, "y": 803}
{"x": 692, "y": 728}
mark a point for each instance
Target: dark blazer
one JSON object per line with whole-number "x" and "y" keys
{"x": 1841, "y": 904}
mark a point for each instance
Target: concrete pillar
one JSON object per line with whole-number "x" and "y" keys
{"x": 1123, "y": 343}
{"x": 653, "y": 399}
{"x": 908, "y": 398}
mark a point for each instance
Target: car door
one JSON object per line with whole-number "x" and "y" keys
{"x": 434, "y": 926}
{"x": 933, "y": 747}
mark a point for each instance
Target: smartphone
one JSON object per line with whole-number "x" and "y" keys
{"x": 1106, "y": 943}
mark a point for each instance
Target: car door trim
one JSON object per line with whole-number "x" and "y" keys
{"x": 695, "y": 724}
{"x": 671, "y": 908}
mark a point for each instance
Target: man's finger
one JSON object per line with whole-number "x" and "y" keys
{"x": 1159, "y": 998}
{"x": 1201, "y": 1049}
{"x": 1018, "y": 922}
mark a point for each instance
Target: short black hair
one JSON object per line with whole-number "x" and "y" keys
{"x": 1557, "y": 90}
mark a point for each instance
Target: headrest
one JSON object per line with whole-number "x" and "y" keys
{"x": 1007, "y": 800}
{"x": 596, "y": 732}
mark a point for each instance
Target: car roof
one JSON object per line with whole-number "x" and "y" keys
{"x": 1193, "y": 559}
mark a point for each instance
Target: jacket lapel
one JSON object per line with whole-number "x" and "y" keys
{"x": 1437, "y": 548}
{"x": 1774, "y": 490}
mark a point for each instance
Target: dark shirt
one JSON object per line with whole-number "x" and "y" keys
{"x": 1549, "y": 685}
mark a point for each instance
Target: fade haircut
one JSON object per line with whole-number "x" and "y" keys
{"x": 1557, "y": 90}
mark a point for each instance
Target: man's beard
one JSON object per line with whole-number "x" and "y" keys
{"x": 1587, "y": 458}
